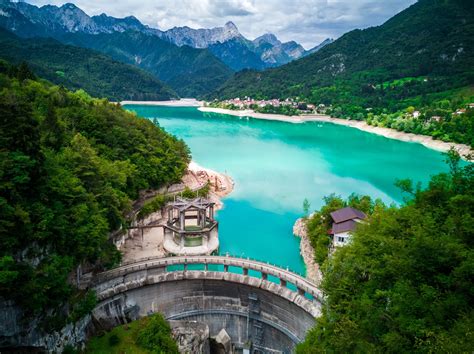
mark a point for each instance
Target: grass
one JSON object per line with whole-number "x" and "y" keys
{"x": 401, "y": 82}
{"x": 126, "y": 335}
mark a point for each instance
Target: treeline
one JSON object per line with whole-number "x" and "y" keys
{"x": 150, "y": 334}
{"x": 320, "y": 222}
{"x": 404, "y": 284}
{"x": 69, "y": 167}
{"x": 81, "y": 68}
{"x": 422, "y": 58}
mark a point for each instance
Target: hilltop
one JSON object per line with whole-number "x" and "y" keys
{"x": 80, "y": 68}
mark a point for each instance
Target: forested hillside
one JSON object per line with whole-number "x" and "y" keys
{"x": 404, "y": 284}
{"x": 80, "y": 68}
{"x": 70, "y": 165}
{"x": 190, "y": 72}
{"x": 422, "y": 58}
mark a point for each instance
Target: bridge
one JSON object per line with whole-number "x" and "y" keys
{"x": 271, "y": 306}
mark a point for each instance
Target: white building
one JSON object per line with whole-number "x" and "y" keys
{"x": 345, "y": 221}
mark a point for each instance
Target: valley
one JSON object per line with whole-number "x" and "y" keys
{"x": 236, "y": 176}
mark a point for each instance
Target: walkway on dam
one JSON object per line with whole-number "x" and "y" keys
{"x": 251, "y": 272}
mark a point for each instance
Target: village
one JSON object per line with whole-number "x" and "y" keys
{"x": 294, "y": 106}
{"x": 290, "y": 106}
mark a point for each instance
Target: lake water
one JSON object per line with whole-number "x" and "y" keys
{"x": 276, "y": 165}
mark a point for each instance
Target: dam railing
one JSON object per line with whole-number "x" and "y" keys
{"x": 226, "y": 264}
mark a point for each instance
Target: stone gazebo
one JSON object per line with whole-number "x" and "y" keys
{"x": 191, "y": 228}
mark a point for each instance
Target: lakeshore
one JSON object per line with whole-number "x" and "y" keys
{"x": 425, "y": 140}
{"x": 313, "y": 272}
{"x": 259, "y": 215}
{"x": 184, "y": 102}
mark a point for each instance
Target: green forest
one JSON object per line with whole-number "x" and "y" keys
{"x": 419, "y": 60}
{"x": 70, "y": 165}
{"x": 81, "y": 68}
{"x": 404, "y": 283}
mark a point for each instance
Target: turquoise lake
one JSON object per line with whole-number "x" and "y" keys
{"x": 276, "y": 165}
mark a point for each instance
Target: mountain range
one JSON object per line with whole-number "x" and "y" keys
{"x": 432, "y": 39}
{"x": 238, "y": 52}
{"x": 53, "y": 20}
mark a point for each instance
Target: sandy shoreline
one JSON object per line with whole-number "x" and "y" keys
{"x": 425, "y": 140}
{"x": 220, "y": 184}
{"x": 185, "y": 102}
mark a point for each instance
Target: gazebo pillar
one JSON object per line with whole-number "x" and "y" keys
{"x": 181, "y": 220}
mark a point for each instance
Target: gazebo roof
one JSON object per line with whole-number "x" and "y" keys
{"x": 183, "y": 204}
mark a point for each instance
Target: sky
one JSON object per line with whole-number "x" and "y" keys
{"x": 308, "y": 22}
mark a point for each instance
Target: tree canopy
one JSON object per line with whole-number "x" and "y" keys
{"x": 404, "y": 284}
{"x": 70, "y": 165}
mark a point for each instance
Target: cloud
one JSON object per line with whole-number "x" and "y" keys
{"x": 308, "y": 22}
{"x": 232, "y": 8}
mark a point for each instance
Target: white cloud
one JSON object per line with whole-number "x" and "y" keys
{"x": 306, "y": 21}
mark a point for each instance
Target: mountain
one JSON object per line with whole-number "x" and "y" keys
{"x": 192, "y": 61}
{"x": 238, "y": 54}
{"x": 275, "y": 53}
{"x": 203, "y": 37}
{"x": 433, "y": 38}
{"x": 27, "y": 20}
{"x": 190, "y": 71}
{"x": 81, "y": 68}
{"x": 230, "y": 46}
{"x": 320, "y": 46}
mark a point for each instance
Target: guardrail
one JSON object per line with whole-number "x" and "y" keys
{"x": 302, "y": 284}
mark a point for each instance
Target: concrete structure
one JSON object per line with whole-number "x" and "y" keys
{"x": 345, "y": 222}
{"x": 191, "y": 228}
{"x": 271, "y": 307}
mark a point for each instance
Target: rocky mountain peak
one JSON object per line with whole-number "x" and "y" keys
{"x": 231, "y": 26}
{"x": 269, "y": 38}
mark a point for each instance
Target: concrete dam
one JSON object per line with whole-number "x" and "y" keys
{"x": 254, "y": 302}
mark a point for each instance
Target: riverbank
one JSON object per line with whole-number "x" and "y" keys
{"x": 307, "y": 252}
{"x": 425, "y": 140}
{"x": 185, "y": 102}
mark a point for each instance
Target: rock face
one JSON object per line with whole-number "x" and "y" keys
{"x": 202, "y": 37}
{"x": 192, "y": 337}
{"x": 307, "y": 251}
{"x": 15, "y": 333}
{"x": 230, "y": 46}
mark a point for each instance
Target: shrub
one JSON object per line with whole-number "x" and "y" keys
{"x": 155, "y": 336}
{"x": 114, "y": 340}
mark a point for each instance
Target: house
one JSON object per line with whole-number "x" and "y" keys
{"x": 436, "y": 119}
{"x": 416, "y": 114}
{"x": 344, "y": 222}
{"x": 461, "y": 111}
{"x": 470, "y": 105}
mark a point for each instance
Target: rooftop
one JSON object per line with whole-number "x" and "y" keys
{"x": 344, "y": 226}
{"x": 347, "y": 213}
